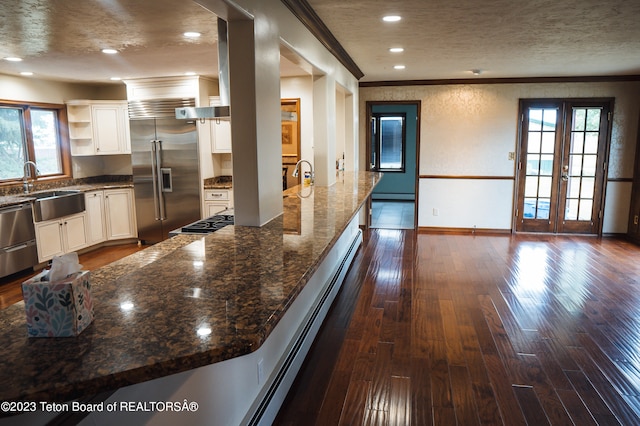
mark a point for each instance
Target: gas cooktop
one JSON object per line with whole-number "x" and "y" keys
{"x": 206, "y": 226}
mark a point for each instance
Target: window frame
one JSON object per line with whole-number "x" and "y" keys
{"x": 64, "y": 149}
{"x": 375, "y": 141}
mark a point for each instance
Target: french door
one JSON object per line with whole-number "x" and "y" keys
{"x": 562, "y": 164}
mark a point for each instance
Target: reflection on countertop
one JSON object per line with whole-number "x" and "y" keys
{"x": 151, "y": 308}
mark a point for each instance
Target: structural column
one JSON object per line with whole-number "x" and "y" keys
{"x": 324, "y": 130}
{"x": 254, "y": 68}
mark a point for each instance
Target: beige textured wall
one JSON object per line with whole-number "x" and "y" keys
{"x": 469, "y": 130}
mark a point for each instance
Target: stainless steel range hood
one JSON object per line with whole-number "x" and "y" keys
{"x": 213, "y": 112}
{"x": 203, "y": 112}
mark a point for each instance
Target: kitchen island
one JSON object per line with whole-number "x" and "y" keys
{"x": 216, "y": 320}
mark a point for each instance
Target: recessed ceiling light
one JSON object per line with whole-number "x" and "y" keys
{"x": 399, "y": 67}
{"x": 191, "y": 34}
{"x": 396, "y": 50}
{"x": 189, "y": 73}
{"x": 13, "y": 59}
{"x": 476, "y": 72}
{"x": 115, "y": 79}
{"x": 109, "y": 51}
{"x": 391, "y": 18}
{"x": 27, "y": 73}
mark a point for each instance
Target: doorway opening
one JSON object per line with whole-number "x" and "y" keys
{"x": 564, "y": 146}
{"x": 392, "y": 148}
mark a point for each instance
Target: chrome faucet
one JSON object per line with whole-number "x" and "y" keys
{"x": 295, "y": 171}
{"x": 26, "y": 185}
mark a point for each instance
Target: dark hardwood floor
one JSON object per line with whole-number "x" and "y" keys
{"x": 451, "y": 329}
{"x": 11, "y": 286}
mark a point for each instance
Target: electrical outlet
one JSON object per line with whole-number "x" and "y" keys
{"x": 436, "y": 212}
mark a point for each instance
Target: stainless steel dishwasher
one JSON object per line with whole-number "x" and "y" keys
{"x": 17, "y": 239}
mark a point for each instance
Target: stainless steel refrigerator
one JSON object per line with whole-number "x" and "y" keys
{"x": 164, "y": 155}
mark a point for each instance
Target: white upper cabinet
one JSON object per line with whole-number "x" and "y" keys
{"x": 221, "y": 135}
{"x": 98, "y": 127}
{"x": 220, "y": 131}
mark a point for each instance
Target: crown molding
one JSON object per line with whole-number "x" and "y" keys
{"x": 441, "y": 82}
{"x": 310, "y": 19}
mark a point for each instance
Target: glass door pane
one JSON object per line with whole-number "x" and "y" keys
{"x": 391, "y": 137}
{"x": 540, "y": 157}
{"x": 580, "y": 170}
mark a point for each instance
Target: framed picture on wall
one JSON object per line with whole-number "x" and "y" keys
{"x": 287, "y": 133}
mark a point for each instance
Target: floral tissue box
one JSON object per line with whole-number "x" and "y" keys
{"x": 58, "y": 309}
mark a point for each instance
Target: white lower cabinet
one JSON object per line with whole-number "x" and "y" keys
{"x": 60, "y": 236}
{"x": 94, "y": 206}
{"x": 119, "y": 214}
{"x": 111, "y": 215}
{"x": 214, "y": 208}
{"x": 216, "y": 200}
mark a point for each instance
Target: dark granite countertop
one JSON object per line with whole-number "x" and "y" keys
{"x": 218, "y": 182}
{"x": 83, "y": 185}
{"x": 149, "y": 306}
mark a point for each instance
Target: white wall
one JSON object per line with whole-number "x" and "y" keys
{"x": 468, "y": 131}
{"x": 341, "y": 127}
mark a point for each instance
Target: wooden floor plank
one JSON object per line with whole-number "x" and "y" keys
{"x": 464, "y": 403}
{"x": 575, "y": 407}
{"x": 530, "y": 405}
{"x": 400, "y": 401}
{"x": 421, "y": 400}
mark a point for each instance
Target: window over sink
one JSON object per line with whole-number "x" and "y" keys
{"x": 33, "y": 132}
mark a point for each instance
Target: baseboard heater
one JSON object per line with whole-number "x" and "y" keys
{"x": 279, "y": 387}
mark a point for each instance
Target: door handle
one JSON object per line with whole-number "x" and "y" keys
{"x": 154, "y": 179}
{"x": 565, "y": 173}
{"x": 160, "y": 179}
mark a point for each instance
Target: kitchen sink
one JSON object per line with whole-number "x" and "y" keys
{"x": 49, "y": 194}
{"x": 50, "y": 205}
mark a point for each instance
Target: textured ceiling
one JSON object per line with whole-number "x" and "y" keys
{"x": 61, "y": 39}
{"x": 445, "y": 39}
